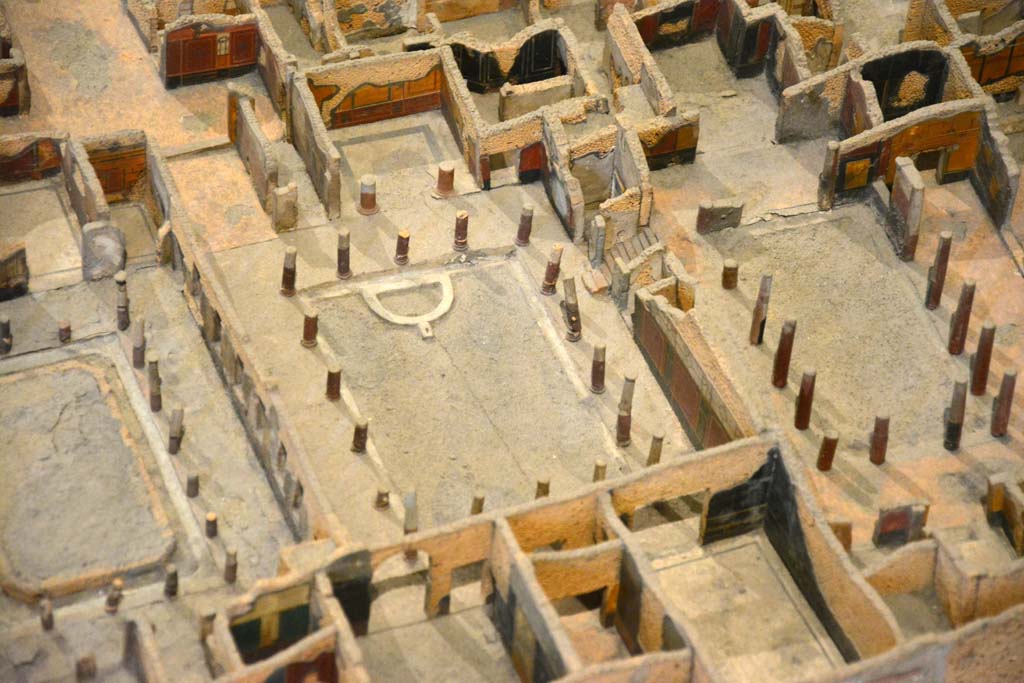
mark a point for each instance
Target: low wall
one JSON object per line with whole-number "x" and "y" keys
{"x": 562, "y": 188}
{"x": 854, "y": 616}
{"x": 708, "y": 407}
{"x": 668, "y": 140}
{"x": 102, "y": 244}
{"x": 142, "y": 652}
{"x": 623, "y": 49}
{"x": 996, "y": 175}
{"x": 967, "y": 595}
{"x": 144, "y": 17}
{"x": 309, "y": 136}
{"x": 15, "y": 96}
{"x": 459, "y": 111}
{"x": 252, "y": 145}
{"x": 84, "y": 189}
{"x": 529, "y": 627}
{"x": 786, "y": 61}
{"x": 516, "y": 100}
{"x": 257, "y": 401}
{"x": 30, "y": 156}
{"x": 273, "y": 62}
{"x": 130, "y": 169}
{"x": 629, "y": 62}
{"x": 674, "y": 22}
{"x": 631, "y": 171}
{"x": 813, "y": 108}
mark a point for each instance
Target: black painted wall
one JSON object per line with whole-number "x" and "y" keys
{"x": 741, "y": 509}
{"x": 782, "y": 526}
{"x": 350, "y": 578}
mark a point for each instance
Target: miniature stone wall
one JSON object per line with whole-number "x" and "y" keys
{"x": 821, "y": 39}
{"x": 861, "y": 110}
{"x": 284, "y": 631}
{"x": 853, "y": 614}
{"x": 254, "y": 396}
{"x": 119, "y": 160}
{"x": 786, "y": 62}
{"x": 655, "y": 270}
{"x": 674, "y": 22}
{"x": 102, "y": 244}
{"x": 252, "y": 145}
{"x": 562, "y": 188}
{"x": 14, "y": 273}
{"x": 736, "y": 21}
{"x": 450, "y": 10}
{"x": 523, "y": 576}
{"x": 960, "y": 128}
{"x": 679, "y": 356}
{"x": 530, "y": 629}
{"x": 592, "y": 162}
{"x": 967, "y": 593}
{"x": 376, "y": 88}
{"x": 150, "y": 16}
{"x": 906, "y": 206}
{"x": 987, "y": 48}
{"x": 15, "y": 96}
{"x": 318, "y": 153}
{"x": 142, "y": 653}
{"x": 996, "y": 176}
{"x": 627, "y": 215}
{"x": 516, "y": 100}
{"x": 143, "y": 15}
{"x": 30, "y": 155}
{"x": 1004, "y": 505}
{"x": 166, "y": 208}
{"x": 815, "y": 107}
{"x": 374, "y": 18}
{"x": 87, "y": 196}
{"x": 207, "y": 45}
{"x": 668, "y": 140}
{"x": 274, "y": 62}
{"x": 459, "y": 111}
{"x": 623, "y": 50}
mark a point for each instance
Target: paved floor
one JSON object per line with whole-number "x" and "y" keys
{"x": 38, "y": 213}
{"x": 753, "y": 620}
{"x": 76, "y": 473}
{"x": 440, "y": 406}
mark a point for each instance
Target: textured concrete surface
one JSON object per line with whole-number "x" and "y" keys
{"x": 78, "y": 479}
{"x": 439, "y": 407}
{"x": 754, "y": 618}
{"x": 39, "y": 214}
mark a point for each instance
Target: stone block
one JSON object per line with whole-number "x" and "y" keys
{"x": 103, "y": 250}
{"x": 900, "y": 524}
{"x": 719, "y": 215}
{"x": 285, "y": 207}
{"x": 906, "y": 206}
{"x": 13, "y": 271}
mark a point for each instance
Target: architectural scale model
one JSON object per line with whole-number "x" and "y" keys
{"x": 604, "y": 341}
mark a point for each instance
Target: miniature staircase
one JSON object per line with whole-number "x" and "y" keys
{"x": 627, "y": 250}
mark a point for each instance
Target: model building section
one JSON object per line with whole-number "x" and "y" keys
{"x": 511, "y": 340}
